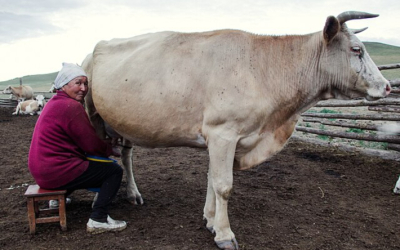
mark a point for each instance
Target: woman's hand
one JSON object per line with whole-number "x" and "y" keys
{"x": 116, "y": 151}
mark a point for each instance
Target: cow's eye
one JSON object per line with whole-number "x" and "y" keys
{"x": 356, "y": 49}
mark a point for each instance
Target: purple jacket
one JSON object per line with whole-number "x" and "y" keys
{"x": 62, "y": 136}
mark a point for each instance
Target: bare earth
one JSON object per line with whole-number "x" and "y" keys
{"x": 306, "y": 197}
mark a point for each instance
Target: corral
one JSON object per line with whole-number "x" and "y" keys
{"x": 306, "y": 197}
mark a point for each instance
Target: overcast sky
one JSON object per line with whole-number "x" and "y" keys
{"x": 36, "y": 36}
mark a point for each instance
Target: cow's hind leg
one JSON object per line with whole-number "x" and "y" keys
{"x": 209, "y": 208}
{"x": 221, "y": 147}
{"x": 133, "y": 193}
{"x": 17, "y": 110}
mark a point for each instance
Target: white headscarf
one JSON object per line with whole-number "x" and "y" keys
{"x": 68, "y": 72}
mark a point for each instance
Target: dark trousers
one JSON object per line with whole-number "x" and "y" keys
{"x": 104, "y": 175}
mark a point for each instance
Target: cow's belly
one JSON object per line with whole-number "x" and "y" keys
{"x": 158, "y": 123}
{"x": 197, "y": 141}
{"x": 258, "y": 148}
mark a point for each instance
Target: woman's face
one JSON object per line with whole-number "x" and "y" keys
{"x": 77, "y": 88}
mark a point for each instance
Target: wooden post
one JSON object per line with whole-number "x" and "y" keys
{"x": 31, "y": 215}
{"x": 62, "y": 213}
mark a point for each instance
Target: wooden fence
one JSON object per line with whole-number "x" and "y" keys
{"x": 355, "y": 120}
{"x": 12, "y": 103}
{"x": 8, "y": 103}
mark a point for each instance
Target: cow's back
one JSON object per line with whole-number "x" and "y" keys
{"x": 27, "y": 92}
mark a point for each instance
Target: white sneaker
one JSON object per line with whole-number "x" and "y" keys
{"x": 95, "y": 227}
{"x": 54, "y": 203}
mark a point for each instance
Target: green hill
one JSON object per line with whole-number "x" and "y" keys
{"x": 379, "y": 52}
{"x": 385, "y": 54}
{"x": 39, "y": 83}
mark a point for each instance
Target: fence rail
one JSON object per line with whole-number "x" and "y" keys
{"x": 389, "y": 66}
{"x": 12, "y": 103}
{"x": 8, "y": 103}
{"x": 353, "y": 124}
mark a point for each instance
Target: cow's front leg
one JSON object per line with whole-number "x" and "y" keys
{"x": 396, "y": 189}
{"x": 221, "y": 147}
{"x": 133, "y": 193}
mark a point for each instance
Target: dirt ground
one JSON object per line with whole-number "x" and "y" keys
{"x": 306, "y": 197}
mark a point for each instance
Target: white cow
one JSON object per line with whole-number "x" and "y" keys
{"x": 235, "y": 93}
{"x": 21, "y": 93}
{"x": 52, "y": 88}
{"x": 31, "y": 107}
{"x": 391, "y": 128}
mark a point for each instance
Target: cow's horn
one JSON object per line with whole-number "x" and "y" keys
{"x": 351, "y": 15}
{"x": 356, "y": 31}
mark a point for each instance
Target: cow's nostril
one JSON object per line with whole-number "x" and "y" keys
{"x": 388, "y": 89}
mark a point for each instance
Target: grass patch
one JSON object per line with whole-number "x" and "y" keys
{"x": 324, "y": 137}
{"x": 373, "y": 144}
{"x": 355, "y": 130}
{"x": 329, "y": 111}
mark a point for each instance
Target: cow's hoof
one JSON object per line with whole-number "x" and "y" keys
{"x": 136, "y": 201}
{"x": 228, "y": 244}
{"x": 211, "y": 229}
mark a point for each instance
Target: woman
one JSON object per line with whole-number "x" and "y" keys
{"x": 62, "y": 139}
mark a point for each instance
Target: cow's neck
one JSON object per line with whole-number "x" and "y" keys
{"x": 303, "y": 83}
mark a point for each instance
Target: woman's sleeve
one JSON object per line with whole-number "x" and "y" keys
{"x": 84, "y": 135}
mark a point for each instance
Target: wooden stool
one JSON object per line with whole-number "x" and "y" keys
{"x": 34, "y": 194}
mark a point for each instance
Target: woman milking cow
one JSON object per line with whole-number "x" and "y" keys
{"x": 62, "y": 140}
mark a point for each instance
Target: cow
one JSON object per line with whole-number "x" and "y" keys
{"x": 31, "y": 107}
{"x": 52, "y": 88}
{"x": 391, "y": 128}
{"x": 237, "y": 94}
{"x": 21, "y": 93}
{"x": 396, "y": 188}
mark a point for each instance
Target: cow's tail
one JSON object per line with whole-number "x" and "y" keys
{"x": 94, "y": 117}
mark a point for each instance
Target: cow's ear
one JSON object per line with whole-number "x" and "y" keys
{"x": 331, "y": 28}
